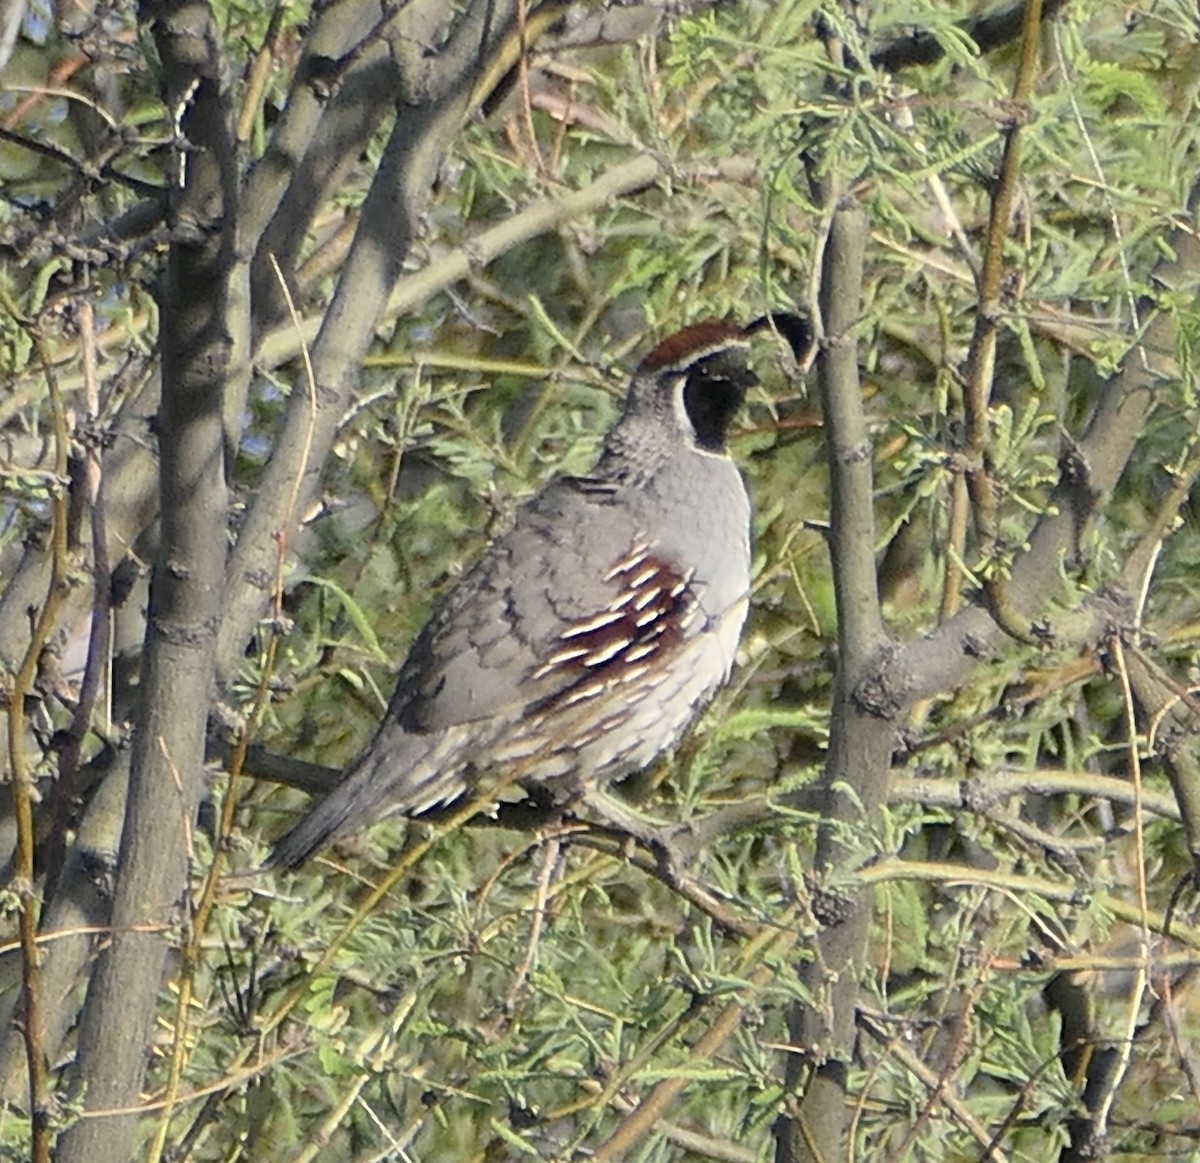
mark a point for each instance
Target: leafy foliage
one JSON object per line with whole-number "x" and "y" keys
{"x": 518, "y": 993}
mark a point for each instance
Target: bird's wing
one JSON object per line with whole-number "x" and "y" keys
{"x": 556, "y": 604}
{"x": 571, "y": 603}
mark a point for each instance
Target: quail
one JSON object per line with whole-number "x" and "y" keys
{"x": 590, "y": 635}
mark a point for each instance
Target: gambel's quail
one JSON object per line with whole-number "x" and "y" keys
{"x": 592, "y": 633}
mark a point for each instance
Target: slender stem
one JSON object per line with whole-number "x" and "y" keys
{"x": 981, "y": 361}
{"x": 23, "y": 785}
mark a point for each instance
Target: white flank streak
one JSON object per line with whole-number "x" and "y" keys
{"x": 645, "y": 599}
{"x": 582, "y": 693}
{"x": 608, "y": 652}
{"x": 596, "y": 623}
{"x": 643, "y": 577}
{"x": 641, "y": 651}
{"x": 556, "y": 660}
{"x": 683, "y": 585}
{"x": 633, "y": 673}
{"x": 636, "y": 555}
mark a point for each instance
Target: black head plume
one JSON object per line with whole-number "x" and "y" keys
{"x": 796, "y": 329}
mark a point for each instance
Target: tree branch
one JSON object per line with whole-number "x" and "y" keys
{"x": 943, "y": 660}
{"x": 325, "y": 126}
{"x": 168, "y": 749}
{"x": 981, "y": 361}
{"x": 989, "y": 31}
{"x": 540, "y": 217}
{"x": 23, "y": 793}
{"x": 853, "y": 787}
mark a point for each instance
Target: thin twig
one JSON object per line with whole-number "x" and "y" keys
{"x": 23, "y": 788}
{"x": 258, "y": 74}
{"x": 958, "y": 1110}
{"x": 541, "y": 217}
{"x": 773, "y": 943}
{"x": 1102, "y": 1108}
{"x": 960, "y": 1045}
{"x": 981, "y": 360}
{"x": 516, "y": 991}
{"x": 1139, "y": 565}
{"x": 100, "y": 630}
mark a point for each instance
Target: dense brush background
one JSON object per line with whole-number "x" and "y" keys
{"x": 1028, "y": 986}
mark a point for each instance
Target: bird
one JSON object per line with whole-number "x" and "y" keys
{"x": 589, "y": 636}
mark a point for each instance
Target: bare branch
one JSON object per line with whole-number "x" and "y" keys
{"x": 942, "y": 660}
{"x": 198, "y": 348}
{"x": 854, "y": 782}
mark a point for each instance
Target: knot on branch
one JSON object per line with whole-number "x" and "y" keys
{"x": 1172, "y": 740}
{"x": 831, "y": 907}
{"x": 99, "y": 868}
{"x": 323, "y": 75}
{"x": 878, "y": 695}
{"x": 974, "y": 645}
{"x": 1073, "y": 466}
{"x": 187, "y": 634}
{"x": 975, "y": 796}
{"x": 1013, "y": 114}
{"x": 1120, "y": 617}
{"x": 95, "y": 436}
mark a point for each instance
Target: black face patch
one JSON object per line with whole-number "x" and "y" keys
{"x": 712, "y": 394}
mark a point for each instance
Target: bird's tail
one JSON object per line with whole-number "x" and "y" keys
{"x": 358, "y": 801}
{"x": 329, "y": 818}
{"x": 398, "y": 772}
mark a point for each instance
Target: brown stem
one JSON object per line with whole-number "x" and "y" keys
{"x": 23, "y": 792}
{"x": 645, "y": 1118}
{"x": 258, "y": 74}
{"x": 99, "y": 632}
{"x": 981, "y": 360}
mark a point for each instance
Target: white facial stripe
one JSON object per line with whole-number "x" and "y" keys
{"x": 697, "y": 354}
